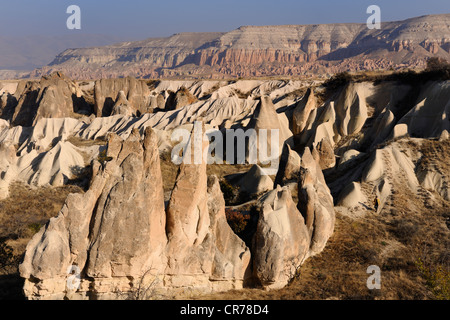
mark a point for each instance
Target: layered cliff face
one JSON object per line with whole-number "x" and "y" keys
{"x": 137, "y": 58}
{"x": 266, "y": 50}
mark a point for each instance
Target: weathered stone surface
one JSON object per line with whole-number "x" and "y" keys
{"x": 444, "y": 136}
{"x": 384, "y": 125}
{"x": 54, "y": 96}
{"x": 352, "y": 196}
{"x": 115, "y": 229}
{"x": 118, "y": 232}
{"x": 429, "y": 117}
{"x": 157, "y": 102}
{"x": 281, "y": 241}
{"x": 302, "y": 112}
{"x": 188, "y": 221}
{"x": 122, "y": 106}
{"x": 106, "y": 91}
{"x": 315, "y": 202}
{"x": 289, "y": 166}
{"x": 287, "y": 235}
{"x": 255, "y": 181}
{"x": 183, "y": 98}
{"x": 266, "y": 120}
{"x": 128, "y": 228}
{"x": 351, "y": 108}
{"x": 348, "y": 158}
{"x": 200, "y": 240}
{"x": 326, "y": 154}
{"x": 7, "y": 104}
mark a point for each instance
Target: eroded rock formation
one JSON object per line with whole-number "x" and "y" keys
{"x": 119, "y": 232}
{"x": 281, "y": 241}
{"x": 54, "y": 96}
{"x": 315, "y": 202}
{"x": 287, "y": 235}
{"x": 107, "y": 90}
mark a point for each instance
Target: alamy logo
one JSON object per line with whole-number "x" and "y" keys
{"x": 74, "y": 20}
{"x": 374, "y": 21}
{"x": 374, "y": 281}
{"x": 249, "y": 146}
{"x": 74, "y": 278}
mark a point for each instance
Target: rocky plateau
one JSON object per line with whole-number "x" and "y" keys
{"x": 261, "y": 51}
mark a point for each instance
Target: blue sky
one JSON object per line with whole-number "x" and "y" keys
{"x": 139, "y": 19}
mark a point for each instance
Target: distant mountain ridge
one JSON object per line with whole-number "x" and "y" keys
{"x": 265, "y": 51}
{"x": 35, "y": 51}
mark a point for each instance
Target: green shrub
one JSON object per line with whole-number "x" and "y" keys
{"x": 34, "y": 227}
{"x": 7, "y": 258}
{"x": 437, "y": 279}
{"x": 237, "y": 220}
{"x": 230, "y": 193}
{"x": 338, "y": 80}
{"x": 102, "y": 158}
{"x": 243, "y": 222}
{"x": 435, "y": 63}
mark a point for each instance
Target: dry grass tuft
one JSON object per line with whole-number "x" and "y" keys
{"x": 26, "y": 208}
{"x": 22, "y": 214}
